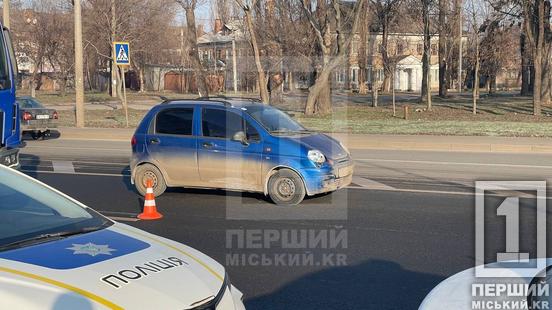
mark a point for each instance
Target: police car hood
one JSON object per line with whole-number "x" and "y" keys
{"x": 116, "y": 268}
{"x": 456, "y": 292}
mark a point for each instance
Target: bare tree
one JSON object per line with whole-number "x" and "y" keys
{"x": 386, "y": 12}
{"x": 443, "y": 47}
{"x": 332, "y": 46}
{"x": 426, "y": 86}
{"x": 534, "y": 14}
{"x": 189, "y": 7}
{"x": 247, "y": 10}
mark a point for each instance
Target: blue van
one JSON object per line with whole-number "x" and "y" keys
{"x": 235, "y": 144}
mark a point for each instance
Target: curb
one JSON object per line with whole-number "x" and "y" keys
{"x": 376, "y": 142}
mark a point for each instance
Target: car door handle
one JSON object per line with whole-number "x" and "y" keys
{"x": 154, "y": 140}
{"x": 208, "y": 145}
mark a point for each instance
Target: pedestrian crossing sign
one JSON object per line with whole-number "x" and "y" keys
{"x": 122, "y": 53}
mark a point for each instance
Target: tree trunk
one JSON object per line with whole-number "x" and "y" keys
{"x": 545, "y": 80}
{"x": 426, "y": 87}
{"x": 63, "y": 86}
{"x": 275, "y": 89}
{"x": 385, "y": 54}
{"x": 443, "y": 50}
{"x": 319, "y": 100}
{"x": 475, "y": 94}
{"x": 263, "y": 90}
{"x": 142, "y": 80}
{"x": 538, "y": 51}
{"x": 201, "y": 80}
{"x": 525, "y": 65}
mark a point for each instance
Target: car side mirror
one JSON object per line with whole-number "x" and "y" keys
{"x": 240, "y": 137}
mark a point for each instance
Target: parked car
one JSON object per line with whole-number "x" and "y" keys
{"x": 56, "y": 253}
{"x": 236, "y": 144}
{"x": 36, "y": 119}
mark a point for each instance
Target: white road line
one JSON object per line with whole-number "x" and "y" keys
{"x": 63, "y": 167}
{"x": 371, "y": 184}
{"x": 451, "y": 163}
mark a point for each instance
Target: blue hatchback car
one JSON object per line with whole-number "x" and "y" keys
{"x": 235, "y": 144}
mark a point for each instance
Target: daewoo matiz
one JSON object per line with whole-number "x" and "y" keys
{"x": 56, "y": 253}
{"x": 236, "y": 144}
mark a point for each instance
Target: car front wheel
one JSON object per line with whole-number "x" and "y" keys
{"x": 147, "y": 172}
{"x": 286, "y": 188}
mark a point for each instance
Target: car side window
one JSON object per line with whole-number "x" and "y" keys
{"x": 252, "y": 133}
{"x": 178, "y": 121}
{"x": 220, "y": 123}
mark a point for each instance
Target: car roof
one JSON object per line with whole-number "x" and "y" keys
{"x": 236, "y": 102}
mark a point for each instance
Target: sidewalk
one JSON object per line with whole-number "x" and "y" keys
{"x": 356, "y": 141}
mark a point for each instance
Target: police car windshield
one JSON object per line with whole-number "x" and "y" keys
{"x": 274, "y": 120}
{"x": 31, "y": 211}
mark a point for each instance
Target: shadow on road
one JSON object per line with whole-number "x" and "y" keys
{"x": 374, "y": 284}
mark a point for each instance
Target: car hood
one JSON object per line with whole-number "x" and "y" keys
{"x": 455, "y": 292}
{"x": 330, "y": 147}
{"x": 115, "y": 268}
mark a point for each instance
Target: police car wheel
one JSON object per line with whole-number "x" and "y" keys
{"x": 149, "y": 172}
{"x": 286, "y": 188}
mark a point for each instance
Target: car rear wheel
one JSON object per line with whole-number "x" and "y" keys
{"x": 147, "y": 172}
{"x": 35, "y": 135}
{"x": 286, "y": 188}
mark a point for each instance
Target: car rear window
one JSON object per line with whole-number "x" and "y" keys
{"x": 29, "y": 104}
{"x": 175, "y": 121}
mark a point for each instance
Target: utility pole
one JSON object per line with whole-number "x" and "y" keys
{"x": 234, "y": 65}
{"x": 79, "y": 67}
{"x": 460, "y": 26}
{"x": 6, "y": 13}
{"x": 113, "y": 66}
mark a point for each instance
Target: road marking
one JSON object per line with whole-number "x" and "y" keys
{"x": 451, "y": 163}
{"x": 371, "y": 184}
{"x": 63, "y": 167}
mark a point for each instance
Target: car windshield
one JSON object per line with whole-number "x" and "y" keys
{"x": 30, "y": 212}
{"x": 274, "y": 120}
{"x": 29, "y": 104}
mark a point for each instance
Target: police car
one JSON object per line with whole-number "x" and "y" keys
{"x": 56, "y": 253}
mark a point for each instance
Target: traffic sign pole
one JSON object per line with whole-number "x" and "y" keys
{"x": 121, "y": 51}
{"x": 125, "y": 96}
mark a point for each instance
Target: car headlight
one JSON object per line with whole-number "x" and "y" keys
{"x": 316, "y": 157}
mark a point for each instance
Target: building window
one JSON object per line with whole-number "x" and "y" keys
{"x": 433, "y": 49}
{"x": 369, "y": 75}
{"x": 400, "y": 48}
{"x": 420, "y": 49}
{"x": 354, "y": 75}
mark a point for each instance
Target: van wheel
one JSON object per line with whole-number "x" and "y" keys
{"x": 286, "y": 188}
{"x": 147, "y": 172}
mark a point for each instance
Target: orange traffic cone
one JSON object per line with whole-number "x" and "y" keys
{"x": 150, "y": 210}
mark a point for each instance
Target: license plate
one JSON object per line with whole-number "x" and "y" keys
{"x": 345, "y": 171}
{"x": 43, "y": 117}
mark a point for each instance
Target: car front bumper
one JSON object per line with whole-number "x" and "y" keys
{"x": 319, "y": 181}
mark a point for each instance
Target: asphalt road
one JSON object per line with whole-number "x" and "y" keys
{"x": 406, "y": 223}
